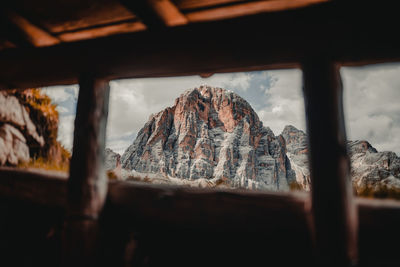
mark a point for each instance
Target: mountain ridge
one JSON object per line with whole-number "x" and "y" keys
{"x": 211, "y": 132}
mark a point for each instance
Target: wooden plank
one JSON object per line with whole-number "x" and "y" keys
{"x": 228, "y": 46}
{"x": 157, "y": 209}
{"x": 249, "y": 8}
{"x": 156, "y": 14}
{"x": 33, "y": 34}
{"x": 46, "y": 188}
{"x": 125, "y": 27}
{"x": 194, "y": 4}
{"x": 168, "y": 12}
{"x": 207, "y": 209}
{"x": 333, "y": 219}
{"x": 87, "y": 185}
{"x": 70, "y": 15}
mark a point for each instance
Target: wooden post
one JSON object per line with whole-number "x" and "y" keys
{"x": 333, "y": 220}
{"x": 87, "y": 185}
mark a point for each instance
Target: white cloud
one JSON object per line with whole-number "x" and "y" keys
{"x": 66, "y": 131}
{"x": 285, "y": 103}
{"x": 371, "y": 102}
{"x": 61, "y": 109}
{"x": 61, "y": 93}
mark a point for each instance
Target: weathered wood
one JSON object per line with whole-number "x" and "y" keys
{"x": 195, "y": 4}
{"x": 158, "y": 209}
{"x": 102, "y": 31}
{"x": 249, "y": 8}
{"x": 168, "y": 12}
{"x": 156, "y": 14}
{"x": 33, "y": 34}
{"x": 334, "y": 220}
{"x": 207, "y": 209}
{"x": 228, "y": 46}
{"x": 87, "y": 185}
{"x": 46, "y": 188}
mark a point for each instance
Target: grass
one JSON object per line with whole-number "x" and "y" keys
{"x": 45, "y": 164}
{"x": 378, "y": 191}
{"x": 295, "y": 186}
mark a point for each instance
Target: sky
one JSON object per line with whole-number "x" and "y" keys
{"x": 371, "y": 97}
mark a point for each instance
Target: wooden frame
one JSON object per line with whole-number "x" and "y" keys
{"x": 338, "y": 38}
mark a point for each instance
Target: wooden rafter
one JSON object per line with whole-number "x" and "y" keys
{"x": 249, "y": 8}
{"x": 95, "y": 32}
{"x": 33, "y": 34}
{"x": 156, "y": 13}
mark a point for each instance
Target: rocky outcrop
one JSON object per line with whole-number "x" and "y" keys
{"x": 28, "y": 130}
{"x": 370, "y": 170}
{"x": 13, "y": 148}
{"x": 16, "y": 127}
{"x": 211, "y": 133}
{"x": 112, "y": 159}
{"x": 373, "y": 170}
{"x": 297, "y": 152}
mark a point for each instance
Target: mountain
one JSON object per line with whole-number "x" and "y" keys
{"x": 211, "y": 133}
{"x": 372, "y": 172}
{"x": 297, "y": 152}
{"x": 212, "y": 136}
{"x": 28, "y": 131}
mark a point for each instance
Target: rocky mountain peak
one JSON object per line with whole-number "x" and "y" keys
{"x": 228, "y": 107}
{"x": 211, "y": 133}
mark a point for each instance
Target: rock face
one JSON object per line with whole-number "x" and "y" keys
{"x": 15, "y": 128}
{"x": 297, "y": 152}
{"x": 28, "y": 131}
{"x": 112, "y": 159}
{"x": 370, "y": 169}
{"x": 211, "y": 133}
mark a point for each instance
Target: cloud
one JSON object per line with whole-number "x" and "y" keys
{"x": 371, "y": 102}
{"x": 133, "y": 101}
{"x": 66, "y": 131}
{"x": 61, "y": 93}
{"x": 284, "y": 102}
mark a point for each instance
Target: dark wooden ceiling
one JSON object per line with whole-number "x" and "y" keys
{"x": 49, "y": 43}
{"x": 40, "y": 23}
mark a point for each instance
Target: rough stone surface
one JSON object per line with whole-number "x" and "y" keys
{"x": 297, "y": 152}
{"x": 15, "y": 127}
{"x": 112, "y": 159}
{"x": 373, "y": 169}
{"x": 14, "y": 113}
{"x": 211, "y": 133}
{"x": 13, "y": 148}
{"x": 369, "y": 168}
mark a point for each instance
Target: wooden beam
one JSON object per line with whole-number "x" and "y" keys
{"x": 33, "y": 34}
{"x": 41, "y": 187}
{"x": 334, "y": 215}
{"x": 195, "y": 4}
{"x": 87, "y": 185}
{"x": 168, "y": 12}
{"x": 144, "y": 206}
{"x": 249, "y": 8}
{"x": 348, "y": 36}
{"x": 124, "y": 27}
{"x": 156, "y": 13}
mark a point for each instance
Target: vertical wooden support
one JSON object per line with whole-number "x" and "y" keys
{"x": 334, "y": 217}
{"x": 87, "y": 185}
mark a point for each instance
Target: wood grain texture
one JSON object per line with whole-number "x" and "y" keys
{"x": 168, "y": 12}
{"x": 249, "y": 8}
{"x": 124, "y": 27}
{"x": 334, "y": 216}
{"x": 177, "y": 210}
{"x": 87, "y": 184}
{"x": 276, "y": 40}
{"x": 34, "y": 35}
